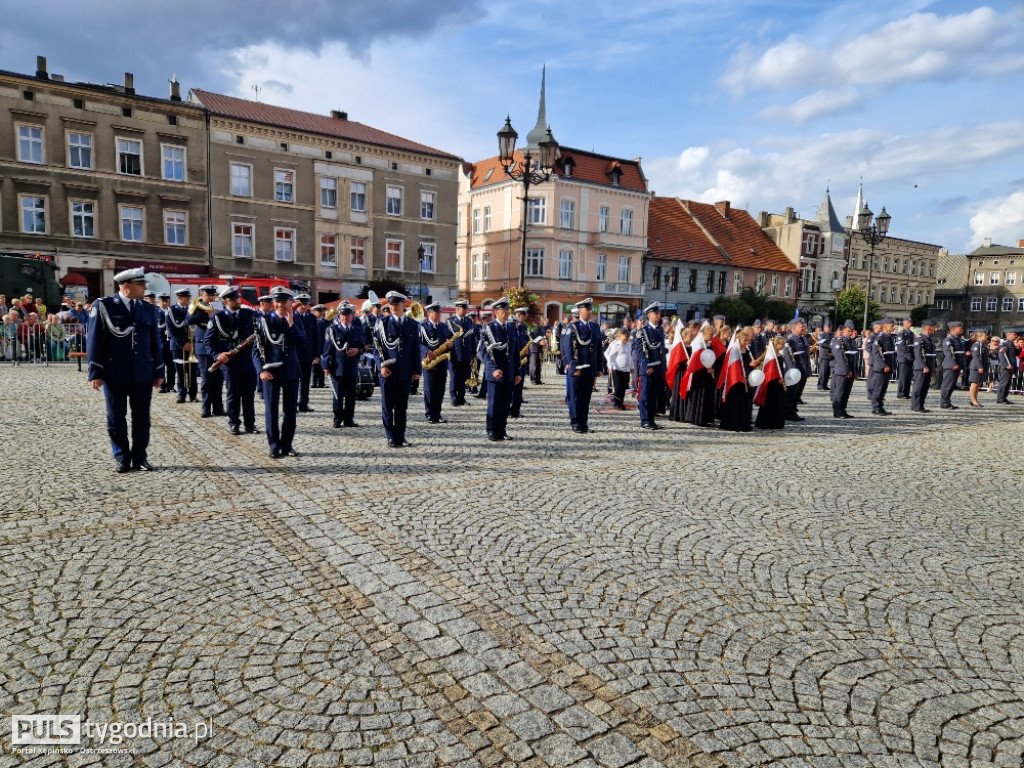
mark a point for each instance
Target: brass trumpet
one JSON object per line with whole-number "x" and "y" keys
{"x": 197, "y": 304}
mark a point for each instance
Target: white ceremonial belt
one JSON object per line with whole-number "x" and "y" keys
{"x": 652, "y": 365}
{"x": 581, "y": 367}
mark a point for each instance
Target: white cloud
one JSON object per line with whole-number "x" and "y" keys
{"x": 817, "y": 104}
{"x": 1002, "y": 219}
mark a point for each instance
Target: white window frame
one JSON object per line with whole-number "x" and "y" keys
{"x": 626, "y": 222}
{"x": 284, "y": 187}
{"x": 991, "y": 304}
{"x": 1020, "y": 303}
{"x": 180, "y": 221}
{"x": 535, "y": 262}
{"x": 789, "y": 287}
{"x": 487, "y": 218}
{"x": 474, "y": 267}
{"x": 1007, "y": 304}
{"x": 976, "y": 303}
{"x": 567, "y": 214}
{"x": 357, "y": 252}
{"x": 31, "y": 142}
{"x": 125, "y": 152}
{"x": 485, "y": 266}
{"x": 602, "y": 267}
{"x": 775, "y": 285}
{"x": 979, "y": 278}
{"x": 428, "y": 205}
{"x": 284, "y": 236}
{"x": 737, "y": 281}
{"x": 79, "y": 148}
{"x": 242, "y": 232}
{"x": 603, "y": 213}
{"x": 389, "y": 251}
{"x": 564, "y": 264}
{"x": 477, "y": 220}
{"x": 993, "y": 278}
{"x": 166, "y": 149}
{"x": 34, "y": 211}
{"x": 625, "y": 264}
{"x": 537, "y": 211}
{"x": 892, "y": 295}
{"x": 357, "y": 196}
{"x": 81, "y": 216}
{"x": 429, "y": 257}
{"x": 126, "y": 217}
{"x": 329, "y": 250}
{"x": 328, "y": 193}
{"x": 760, "y": 282}
{"x": 1011, "y": 277}
{"x": 393, "y": 194}
{"x": 241, "y": 183}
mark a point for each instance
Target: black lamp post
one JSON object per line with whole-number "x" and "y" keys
{"x": 421, "y": 252}
{"x": 873, "y": 234}
{"x": 531, "y": 171}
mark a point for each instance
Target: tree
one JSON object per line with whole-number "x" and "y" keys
{"x": 736, "y": 311}
{"x": 918, "y": 314}
{"x": 850, "y": 306}
{"x": 381, "y": 288}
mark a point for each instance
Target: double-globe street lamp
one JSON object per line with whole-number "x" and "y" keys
{"x": 531, "y": 171}
{"x": 873, "y": 234}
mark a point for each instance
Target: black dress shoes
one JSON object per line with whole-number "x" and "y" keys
{"x": 235, "y": 429}
{"x": 291, "y": 452}
{"x": 652, "y": 426}
{"x": 123, "y": 467}
{"x": 305, "y": 409}
{"x": 274, "y": 454}
{"x": 251, "y": 431}
{"x": 351, "y": 424}
{"x": 337, "y": 425}
{"x": 181, "y": 399}
{"x": 405, "y": 444}
{"x": 393, "y": 444}
{"x": 144, "y": 466}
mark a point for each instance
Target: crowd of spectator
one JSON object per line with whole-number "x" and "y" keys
{"x": 31, "y": 333}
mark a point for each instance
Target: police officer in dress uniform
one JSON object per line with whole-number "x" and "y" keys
{"x": 758, "y": 343}
{"x": 163, "y": 303}
{"x": 211, "y": 382}
{"x": 905, "y": 359}
{"x": 485, "y": 317}
{"x": 397, "y": 344}
{"x": 309, "y": 349}
{"x": 519, "y": 323}
{"x": 229, "y": 328}
{"x": 843, "y": 352}
{"x": 499, "y": 346}
{"x": 126, "y": 361}
{"x": 651, "y": 360}
{"x": 343, "y": 346}
{"x": 1006, "y": 359}
{"x": 797, "y": 354}
{"x": 824, "y": 354}
{"x": 581, "y": 353}
{"x": 433, "y": 333}
{"x": 954, "y": 352}
{"x": 868, "y": 347}
{"x": 924, "y": 365}
{"x": 276, "y": 355}
{"x": 463, "y": 349}
{"x": 322, "y": 323}
{"x": 882, "y": 359}
{"x": 186, "y": 377}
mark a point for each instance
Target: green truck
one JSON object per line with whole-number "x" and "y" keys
{"x": 20, "y": 274}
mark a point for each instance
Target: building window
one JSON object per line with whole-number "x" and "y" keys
{"x": 536, "y": 211}
{"x": 394, "y": 207}
{"x": 33, "y": 215}
{"x": 737, "y": 281}
{"x": 393, "y": 254}
{"x": 656, "y": 278}
{"x": 486, "y": 269}
{"x": 429, "y": 252}
{"x": 565, "y": 265}
{"x": 174, "y": 228}
{"x": 760, "y": 282}
{"x": 902, "y": 292}
{"x": 789, "y": 287}
{"x": 328, "y": 250}
{"x": 885, "y": 264}
{"x": 241, "y": 241}
{"x": 976, "y": 304}
{"x": 284, "y": 186}
{"x": 131, "y": 223}
{"x": 1020, "y": 304}
{"x": 602, "y": 267}
{"x": 979, "y": 278}
{"x": 693, "y": 281}
{"x": 1011, "y": 278}
{"x": 993, "y": 278}
{"x": 626, "y": 222}
{"x": 474, "y": 267}
{"x": 710, "y": 284}
{"x": 1007, "y": 303}
{"x": 896, "y": 264}
{"x": 535, "y": 262}
{"x": 991, "y": 303}
{"x": 83, "y": 218}
{"x": 892, "y": 295}
{"x": 357, "y": 196}
{"x": 567, "y": 219}
{"x": 477, "y": 219}
{"x": 30, "y": 143}
{"x": 357, "y": 252}
{"x": 80, "y": 151}
{"x": 329, "y": 194}
{"x": 284, "y": 244}
{"x": 427, "y": 203}
{"x": 129, "y": 157}
{"x": 174, "y": 163}
{"x": 487, "y": 218}
{"x": 602, "y": 218}
{"x": 241, "y": 180}
{"x": 624, "y": 265}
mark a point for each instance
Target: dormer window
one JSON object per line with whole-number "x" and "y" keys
{"x": 567, "y": 166}
{"x": 616, "y": 175}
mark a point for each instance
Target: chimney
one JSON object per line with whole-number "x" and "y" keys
{"x": 763, "y": 218}
{"x": 337, "y": 114}
{"x": 723, "y": 208}
{"x": 58, "y": 78}
{"x": 41, "y": 68}
{"x": 175, "y": 89}
{"x": 1020, "y": 243}
{"x": 986, "y": 243}
{"x": 129, "y": 83}
{"x": 790, "y": 214}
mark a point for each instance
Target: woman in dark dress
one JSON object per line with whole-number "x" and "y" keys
{"x": 678, "y": 359}
{"x": 771, "y": 396}
{"x": 979, "y": 365}
{"x": 735, "y": 410}
{"x": 699, "y": 406}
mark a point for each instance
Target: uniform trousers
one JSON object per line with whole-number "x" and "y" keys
{"x": 578, "y": 392}
{"x": 306, "y": 366}
{"x": 499, "y": 403}
{"x": 280, "y": 396}
{"x": 517, "y": 397}
{"x": 1005, "y": 379}
{"x": 841, "y": 387}
{"x": 394, "y": 406}
{"x": 878, "y": 385}
{"x": 119, "y": 398}
{"x": 240, "y": 383}
{"x": 212, "y": 387}
{"x": 434, "y": 382}
{"x": 919, "y": 390}
{"x": 651, "y": 388}
{"x": 905, "y": 375}
{"x": 182, "y": 374}
{"x": 457, "y": 384}
{"x": 949, "y": 380}
{"x": 344, "y": 398}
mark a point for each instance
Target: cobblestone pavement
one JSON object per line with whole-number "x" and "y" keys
{"x": 844, "y": 593}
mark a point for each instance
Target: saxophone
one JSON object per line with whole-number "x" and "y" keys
{"x": 442, "y": 353}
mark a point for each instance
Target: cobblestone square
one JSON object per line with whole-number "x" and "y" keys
{"x": 842, "y": 593}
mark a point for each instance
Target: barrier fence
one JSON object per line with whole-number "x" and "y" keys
{"x": 41, "y": 343}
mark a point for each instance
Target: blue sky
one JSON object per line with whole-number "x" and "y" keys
{"x": 760, "y": 103}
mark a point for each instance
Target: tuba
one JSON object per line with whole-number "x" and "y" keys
{"x": 415, "y": 311}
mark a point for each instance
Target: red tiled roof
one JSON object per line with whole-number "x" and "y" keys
{"x": 325, "y": 125}
{"x": 684, "y": 230}
{"x": 586, "y": 166}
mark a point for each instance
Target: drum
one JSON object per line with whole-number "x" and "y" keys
{"x": 365, "y": 378}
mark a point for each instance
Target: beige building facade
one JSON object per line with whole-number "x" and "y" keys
{"x": 994, "y": 294}
{"x": 100, "y": 178}
{"x": 902, "y": 276}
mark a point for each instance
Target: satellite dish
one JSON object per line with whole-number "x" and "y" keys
{"x": 157, "y": 283}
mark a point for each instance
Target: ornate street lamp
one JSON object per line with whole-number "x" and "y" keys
{"x": 873, "y": 234}
{"x": 420, "y": 252}
{"x": 531, "y": 171}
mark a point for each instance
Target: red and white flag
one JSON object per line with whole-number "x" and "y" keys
{"x": 771, "y": 371}
{"x": 732, "y": 371}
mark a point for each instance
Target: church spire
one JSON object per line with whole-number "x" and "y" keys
{"x": 536, "y": 136}
{"x": 859, "y": 205}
